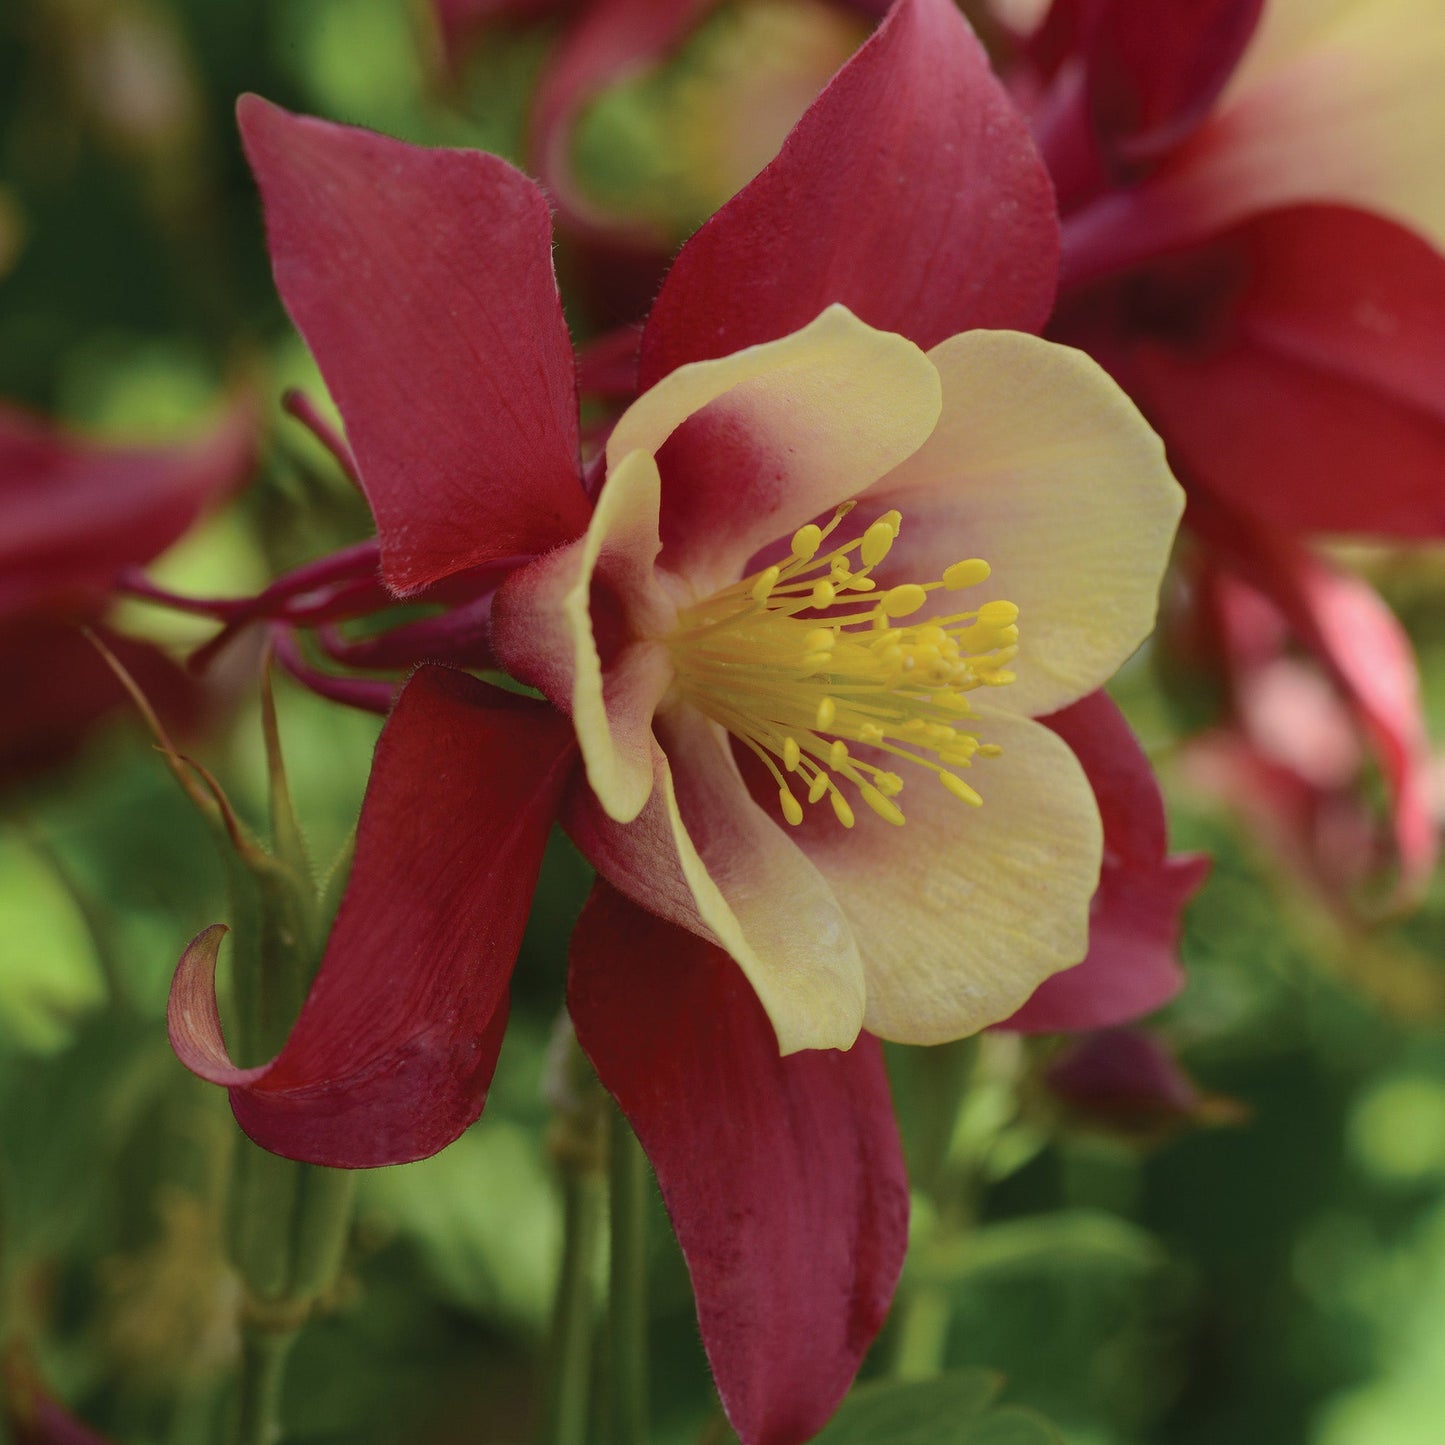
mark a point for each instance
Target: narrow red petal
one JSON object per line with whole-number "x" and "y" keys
{"x": 1155, "y": 70}
{"x": 394, "y": 1050}
{"x": 422, "y": 281}
{"x": 909, "y": 191}
{"x": 74, "y": 512}
{"x": 783, "y": 1176}
{"x": 1132, "y": 966}
{"x": 1288, "y": 361}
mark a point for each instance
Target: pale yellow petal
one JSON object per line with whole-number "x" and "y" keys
{"x": 774, "y": 435}
{"x": 1043, "y": 468}
{"x": 962, "y": 912}
{"x": 599, "y": 589}
{"x": 1336, "y": 100}
{"x": 758, "y": 893}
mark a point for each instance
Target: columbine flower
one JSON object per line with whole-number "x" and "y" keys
{"x": 1253, "y": 217}
{"x": 74, "y": 515}
{"x": 796, "y": 644}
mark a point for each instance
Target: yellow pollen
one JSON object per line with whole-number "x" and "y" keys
{"x": 798, "y": 662}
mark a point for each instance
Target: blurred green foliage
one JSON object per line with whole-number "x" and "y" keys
{"x": 1280, "y": 1282}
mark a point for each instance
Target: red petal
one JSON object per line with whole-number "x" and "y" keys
{"x": 1132, "y": 966}
{"x": 74, "y": 512}
{"x": 1304, "y": 379}
{"x": 909, "y": 191}
{"x": 59, "y": 689}
{"x": 783, "y": 1176}
{"x": 1155, "y": 70}
{"x": 422, "y": 281}
{"x": 394, "y": 1049}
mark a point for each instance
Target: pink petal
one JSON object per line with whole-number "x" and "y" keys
{"x": 610, "y": 41}
{"x": 1132, "y": 966}
{"x": 422, "y": 281}
{"x": 909, "y": 191}
{"x": 74, "y": 512}
{"x": 1342, "y": 622}
{"x": 460, "y": 22}
{"x": 394, "y": 1049}
{"x": 1296, "y": 368}
{"x": 783, "y": 1176}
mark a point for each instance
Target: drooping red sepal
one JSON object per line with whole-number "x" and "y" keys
{"x": 1132, "y": 966}
{"x": 1359, "y": 643}
{"x": 394, "y": 1050}
{"x": 422, "y": 281}
{"x": 74, "y": 512}
{"x": 909, "y": 191}
{"x": 783, "y": 1176}
{"x": 1295, "y": 367}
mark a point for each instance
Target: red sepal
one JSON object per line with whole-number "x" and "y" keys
{"x": 74, "y": 512}
{"x": 783, "y": 1176}
{"x": 1132, "y": 966}
{"x": 394, "y": 1050}
{"x": 422, "y": 281}
{"x": 1294, "y": 366}
{"x": 909, "y": 191}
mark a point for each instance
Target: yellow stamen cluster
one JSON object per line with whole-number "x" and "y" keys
{"x": 805, "y": 657}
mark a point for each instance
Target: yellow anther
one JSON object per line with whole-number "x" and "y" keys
{"x": 766, "y": 581}
{"x": 894, "y": 518}
{"x": 966, "y": 574}
{"x": 806, "y": 541}
{"x": 886, "y": 808}
{"x": 796, "y": 665}
{"x": 960, "y": 789}
{"x": 904, "y": 600}
{"x": 877, "y": 542}
{"x": 998, "y": 614}
{"x": 989, "y": 750}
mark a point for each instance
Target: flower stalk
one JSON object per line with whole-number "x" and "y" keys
{"x": 629, "y": 1181}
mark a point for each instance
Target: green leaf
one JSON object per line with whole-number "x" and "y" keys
{"x": 956, "y": 1409}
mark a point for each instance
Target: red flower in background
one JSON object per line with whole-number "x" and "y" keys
{"x": 1252, "y": 216}
{"x": 422, "y": 280}
{"x": 75, "y": 515}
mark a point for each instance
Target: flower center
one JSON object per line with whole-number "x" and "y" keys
{"x": 803, "y": 658}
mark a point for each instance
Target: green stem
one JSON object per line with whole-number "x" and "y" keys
{"x": 569, "y": 1365}
{"x": 922, "y": 1333}
{"x": 631, "y": 1183}
{"x": 263, "y": 1368}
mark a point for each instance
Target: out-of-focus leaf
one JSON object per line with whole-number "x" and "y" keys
{"x": 483, "y": 1216}
{"x": 957, "y": 1409}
